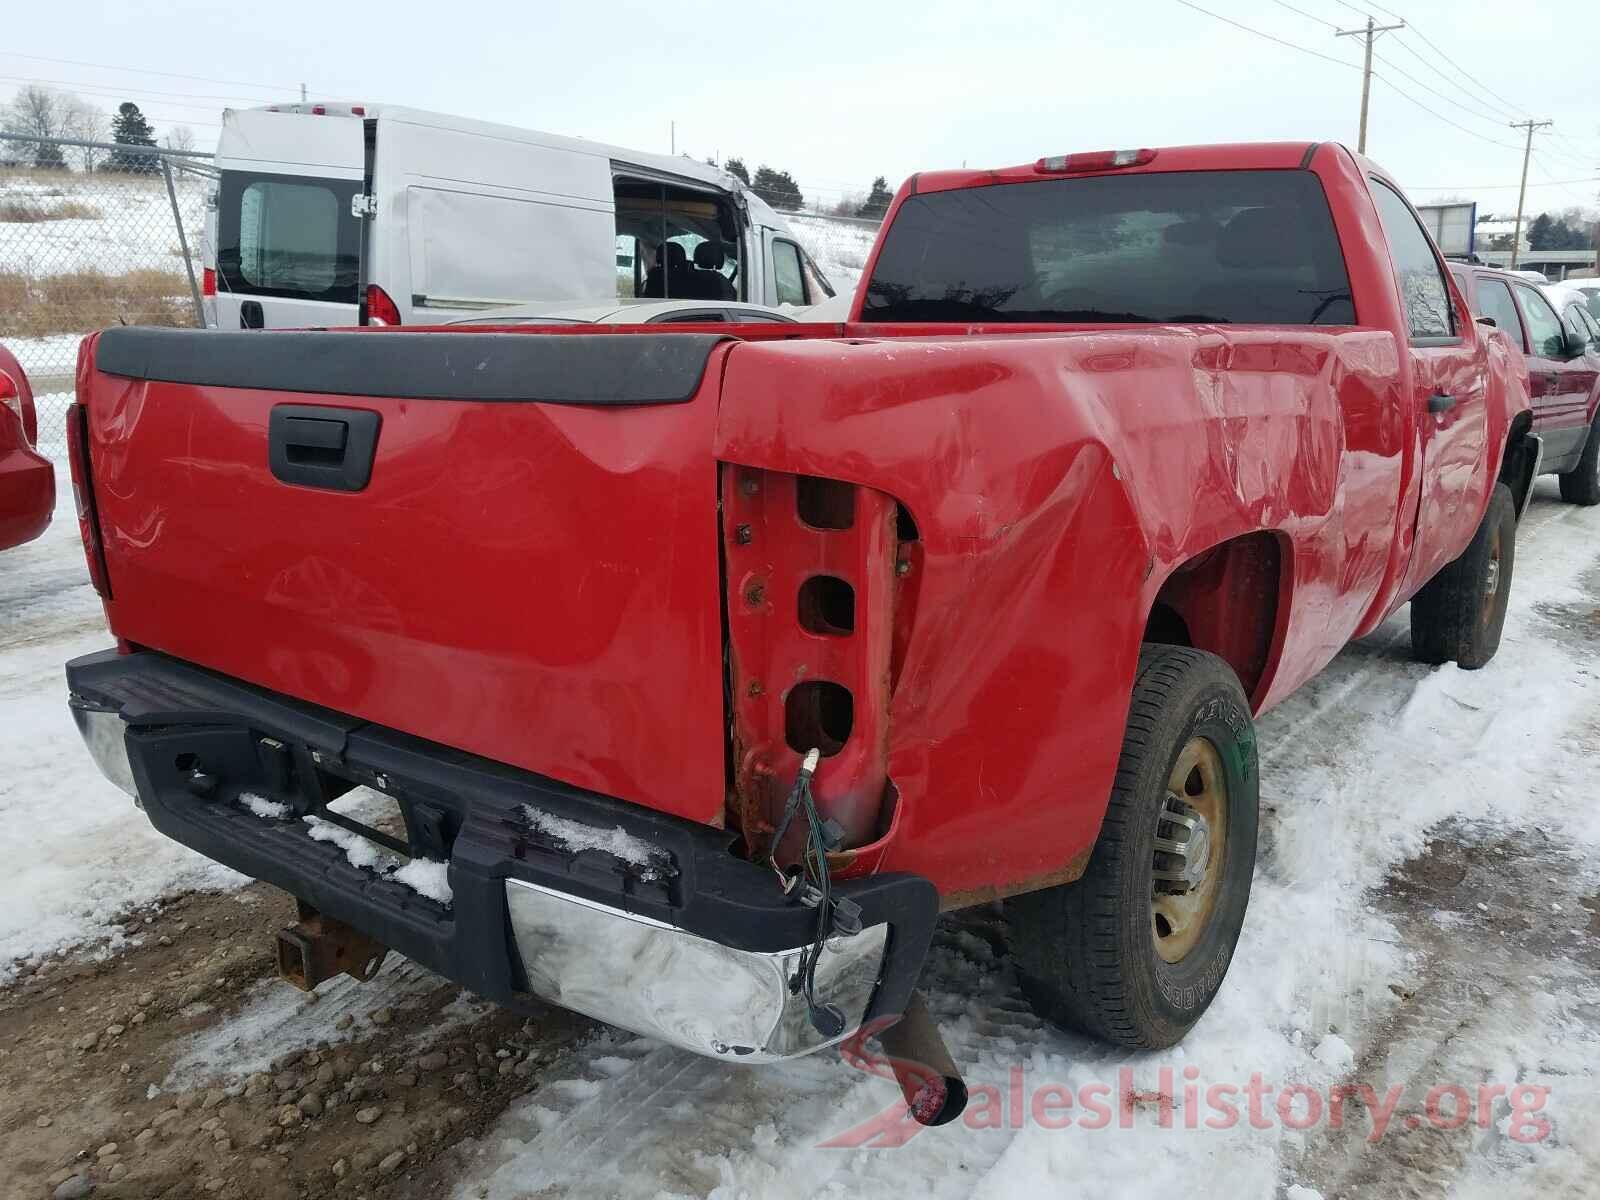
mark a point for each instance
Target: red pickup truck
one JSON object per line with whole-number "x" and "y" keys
{"x": 27, "y": 480}
{"x": 1114, "y": 452}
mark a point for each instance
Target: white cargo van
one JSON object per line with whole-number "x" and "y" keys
{"x": 464, "y": 215}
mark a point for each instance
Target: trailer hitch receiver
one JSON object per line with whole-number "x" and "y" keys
{"x": 318, "y": 947}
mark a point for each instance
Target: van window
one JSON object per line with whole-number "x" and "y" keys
{"x": 677, "y": 243}
{"x": 287, "y": 236}
{"x": 1240, "y": 247}
{"x": 787, "y": 273}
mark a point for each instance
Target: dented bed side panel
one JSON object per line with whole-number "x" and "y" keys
{"x": 1056, "y": 482}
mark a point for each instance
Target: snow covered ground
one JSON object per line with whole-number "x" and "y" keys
{"x": 839, "y": 247}
{"x": 1426, "y": 917}
{"x": 134, "y": 229}
{"x": 1335, "y": 983}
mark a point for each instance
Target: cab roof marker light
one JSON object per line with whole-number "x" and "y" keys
{"x": 1097, "y": 160}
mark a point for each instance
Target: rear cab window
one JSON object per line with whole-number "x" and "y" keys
{"x": 287, "y": 236}
{"x": 1192, "y": 247}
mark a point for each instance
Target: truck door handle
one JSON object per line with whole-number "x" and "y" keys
{"x": 313, "y": 446}
{"x": 1439, "y": 402}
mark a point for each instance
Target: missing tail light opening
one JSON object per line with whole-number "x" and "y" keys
{"x": 825, "y": 503}
{"x": 818, "y": 714}
{"x": 827, "y": 606}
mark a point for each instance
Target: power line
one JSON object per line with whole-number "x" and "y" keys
{"x": 1492, "y": 187}
{"x": 1441, "y": 117}
{"x": 1452, "y": 80}
{"x": 152, "y": 104}
{"x": 1271, "y": 37}
{"x": 1436, "y": 49}
{"x": 1481, "y": 114}
{"x": 1308, "y": 16}
{"x": 132, "y": 91}
{"x": 72, "y": 62}
{"x": 1584, "y": 200}
{"x": 1352, "y": 66}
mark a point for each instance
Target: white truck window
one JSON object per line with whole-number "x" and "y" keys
{"x": 470, "y": 249}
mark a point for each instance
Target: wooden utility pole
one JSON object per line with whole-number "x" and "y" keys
{"x": 1522, "y": 192}
{"x": 1370, "y": 33}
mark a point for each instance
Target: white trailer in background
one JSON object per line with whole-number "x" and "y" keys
{"x": 464, "y": 215}
{"x": 1453, "y": 226}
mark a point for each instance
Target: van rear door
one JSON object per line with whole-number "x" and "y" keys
{"x": 287, "y": 243}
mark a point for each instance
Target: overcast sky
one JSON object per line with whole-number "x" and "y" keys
{"x": 839, "y": 92}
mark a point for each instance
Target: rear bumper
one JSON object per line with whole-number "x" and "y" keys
{"x": 658, "y": 928}
{"x": 27, "y": 496}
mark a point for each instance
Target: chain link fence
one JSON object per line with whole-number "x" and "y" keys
{"x": 91, "y": 235}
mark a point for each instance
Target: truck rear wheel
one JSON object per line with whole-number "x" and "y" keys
{"x": 1581, "y": 485}
{"x": 1135, "y": 950}
{"x": 1458, "y": 615}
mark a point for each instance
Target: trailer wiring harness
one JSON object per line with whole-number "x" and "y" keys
{"x": 810, "y": 878}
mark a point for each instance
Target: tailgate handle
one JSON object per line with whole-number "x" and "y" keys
{"x": 313, "y": 446}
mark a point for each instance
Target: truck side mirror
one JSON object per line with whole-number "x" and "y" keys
{"x": 1574, "y": 342}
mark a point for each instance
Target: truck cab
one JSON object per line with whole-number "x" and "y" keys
{"x": 463, "y": 216}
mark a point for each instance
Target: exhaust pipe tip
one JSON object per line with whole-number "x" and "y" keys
{"x": 934, "y": 1090}
{"x": 940, "y": 1100}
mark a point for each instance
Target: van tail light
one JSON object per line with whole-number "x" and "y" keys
{"x": 208, "y": 281}
{"x": 1097, "y": 160}
{"x": 810, "y": 582}
{"x": 380, "y": 309}
{"x": 83, "y": 495}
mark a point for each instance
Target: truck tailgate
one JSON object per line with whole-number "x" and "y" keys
{"x": 529, "y": 573}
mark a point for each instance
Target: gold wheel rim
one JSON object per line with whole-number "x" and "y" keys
{"x": 1191, "y": 850}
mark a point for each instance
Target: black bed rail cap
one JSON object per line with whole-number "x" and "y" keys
{"x": 564, "y": 368}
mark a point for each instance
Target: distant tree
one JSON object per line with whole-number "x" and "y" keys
{"x": 40, "y": 112}
{"x": 778, "y": 189}
{"x": 180, "y": 137}
{"x": 736, "y": 168}
{"x": 847, "y": 205}
{"x": 877, "y": 201}
{"x": 1555, "y": 232}
{"x": 129, "y": 128}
